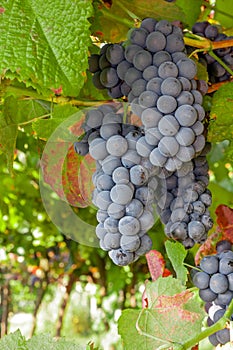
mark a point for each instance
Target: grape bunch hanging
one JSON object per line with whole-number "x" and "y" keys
{"x": 215, "y": 282}
{"x": 161, "y": 163}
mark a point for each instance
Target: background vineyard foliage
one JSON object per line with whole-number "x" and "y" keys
{"x": 42, "y": 87}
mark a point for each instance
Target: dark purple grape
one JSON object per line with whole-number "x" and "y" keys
{"x": 209, "y": 264}
{"x": 218, "y": 283}
{"x": 201, "y": 280}
{"x": 207, "y": 294}
{"x": 223, "y": 245}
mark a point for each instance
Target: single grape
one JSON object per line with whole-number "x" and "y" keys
{"x": 146, "y": 220}
{"x": 179, "y": 215}
{"x": 120, "y": 175}
{"x": 187, "y": 68}
{"x": 115, "y": 54}
{"x": 197, "y": 96}
{"x": 213, "y": 339}
{"x": 104, "y": 182}
{"x": 111, "y": 224}
{"x": 155, "y": 41}
{"x": 101, "y": 215}
{"x": 145, "y": 194}
{"x": 209, "y": 264}
{"x": 164, "y": 27}
{"x": 199, "y": 27}
{"x": 168, "y": 125}
{"x": 138, "y": 36}
{"x": 168, "y": 70}
{"x": 138, "y": 175}
{"x": 198, "y": 128}
{"x": 198, "y": 207}
{"x": 130, "y": 158}
{"x": 224, "y": 298}
{"x": 108, "y": 130}
{"x": 129, "y": 225}
{"x": 174, "y": 43}
{"x": 130, "y": 243}
{"x": 179, "y": 231}
{"x": 109, "y": 77}
{"x": 206, "y": 199}
{"x": 103, "y": 200}
{"x": 142, "y": 59}
{"x": 121, "y": 194}
{"x": 168, "y": 146}
{"x": 143, "y": 148}
{"x": 199, "y": 143}
{"x": 218, "y": 283}
{"x": 201, "y": 280}
{"x": 148, "y": 99}
{"x": 100, "y": 231}
{"x": 148, "y": 24}
{"x": 104, "y": 63}
{"x": 185, "y": 98}
{"x": 145, "y": 246}
{"x": 225, "y": 266}
{"x": 134, "y": 208}
{"x": 81, "y": 148}
{"x": 116, "y": 145}
{"x": 120, "y": 257}
{"x": 97, "y": 149}
{"x": 154, "y": 85}
{"x": 207, "y": 294}
{"x": 116, "y": 211}
{"x": 112, "y": 241}
{"x": 160, "y": 57}
{"x": 139, "y": 86}
{"x": 185, "y": 136}
{"x": 150, "y": 72}
{"x": 186, "y": 115}
{"x": 132, "y": 137}
{"x": 151, "y": 117}
{"x": 166, "y": 104}
{"x": 171, "y": 86}
{"x": 211, "y": 32}
{"x": 223, "y": 245}
{"x": 93, "y": 62}
{"x": 223, "y": 336}
{"x": 157, "y": 158}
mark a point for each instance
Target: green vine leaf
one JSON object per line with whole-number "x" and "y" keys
{"x": 45, "y": 43}
{"x": 221, "y": 126}
{"x": 191, "y": 10}
{"x": 119, "y": 15}
{"x": 174, "y": 317}
{"x": 176, "y": 254}
{"x": 223, "y": 12}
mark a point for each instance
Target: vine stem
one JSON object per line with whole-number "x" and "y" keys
{"x": 210, "y": 330}
{"x": 211, "y": 53}
{"x": 18, "y": 91}
{"x": 205, "y": 44}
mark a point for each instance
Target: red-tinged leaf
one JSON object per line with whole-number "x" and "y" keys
{"x": 166, "y": 272}
{"x": 86, "y": 169}
{"x": 225, "y": 221}
{"x": 52, "y": 165}
{"x": 145, "y": 302}
{"x": 208, "y": 247}
{"x": 156, "y": 264}
{"x": 196, "y": 347}
{"x": 70, "y": 181}
{"x": 173, "y": 316}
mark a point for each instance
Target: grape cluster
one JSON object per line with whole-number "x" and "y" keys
{"x": 104, "y": 66}
{"x": 183, "y": 202}
{"x": 124, "y": 184}
{"x": 215, "y": 281}
{"x": 158, "y": 79}
{"x": 216, "y": 71}
{"x": 169, "y": 150}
